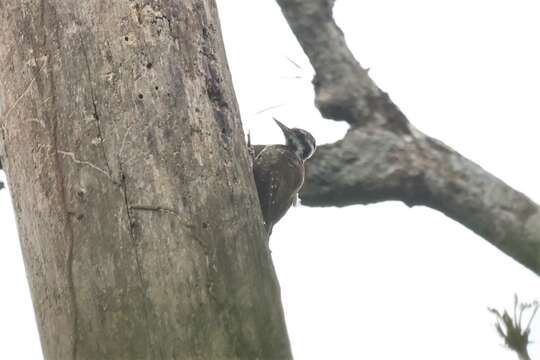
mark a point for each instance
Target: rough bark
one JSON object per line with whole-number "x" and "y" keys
{"x": 383, "y": 157}
{"x": 136, "y": 208}
{"x": 1, "y": 183}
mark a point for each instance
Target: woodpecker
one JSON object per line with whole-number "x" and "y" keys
{"x": 279, "y": 172}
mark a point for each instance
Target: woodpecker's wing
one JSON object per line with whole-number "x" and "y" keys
{"x": 279, "y": 174}
{"x": 257, "y": 149}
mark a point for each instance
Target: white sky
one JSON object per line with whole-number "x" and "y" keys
{"x": 380, "y": 281}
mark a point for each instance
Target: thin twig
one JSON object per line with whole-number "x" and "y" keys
{"x": 515, "y": 320}
{"x": 293, "y": 62}
{"x": 532, "y": 316}
{"x": 269, "y": 108}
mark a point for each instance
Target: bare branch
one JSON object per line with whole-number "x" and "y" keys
{"x": 383, "y": 157}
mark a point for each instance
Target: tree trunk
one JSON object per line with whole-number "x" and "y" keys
{"x": 137, "y": 213}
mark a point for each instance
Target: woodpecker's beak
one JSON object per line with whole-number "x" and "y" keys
{"x": 286, "y": 130}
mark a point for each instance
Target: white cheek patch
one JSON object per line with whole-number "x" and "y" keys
{"x": 297, "y": 146}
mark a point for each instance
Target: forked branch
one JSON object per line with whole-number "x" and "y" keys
{"x": 384, "y": 157}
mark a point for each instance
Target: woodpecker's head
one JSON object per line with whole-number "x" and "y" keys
{"x": 299, "y": 141}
